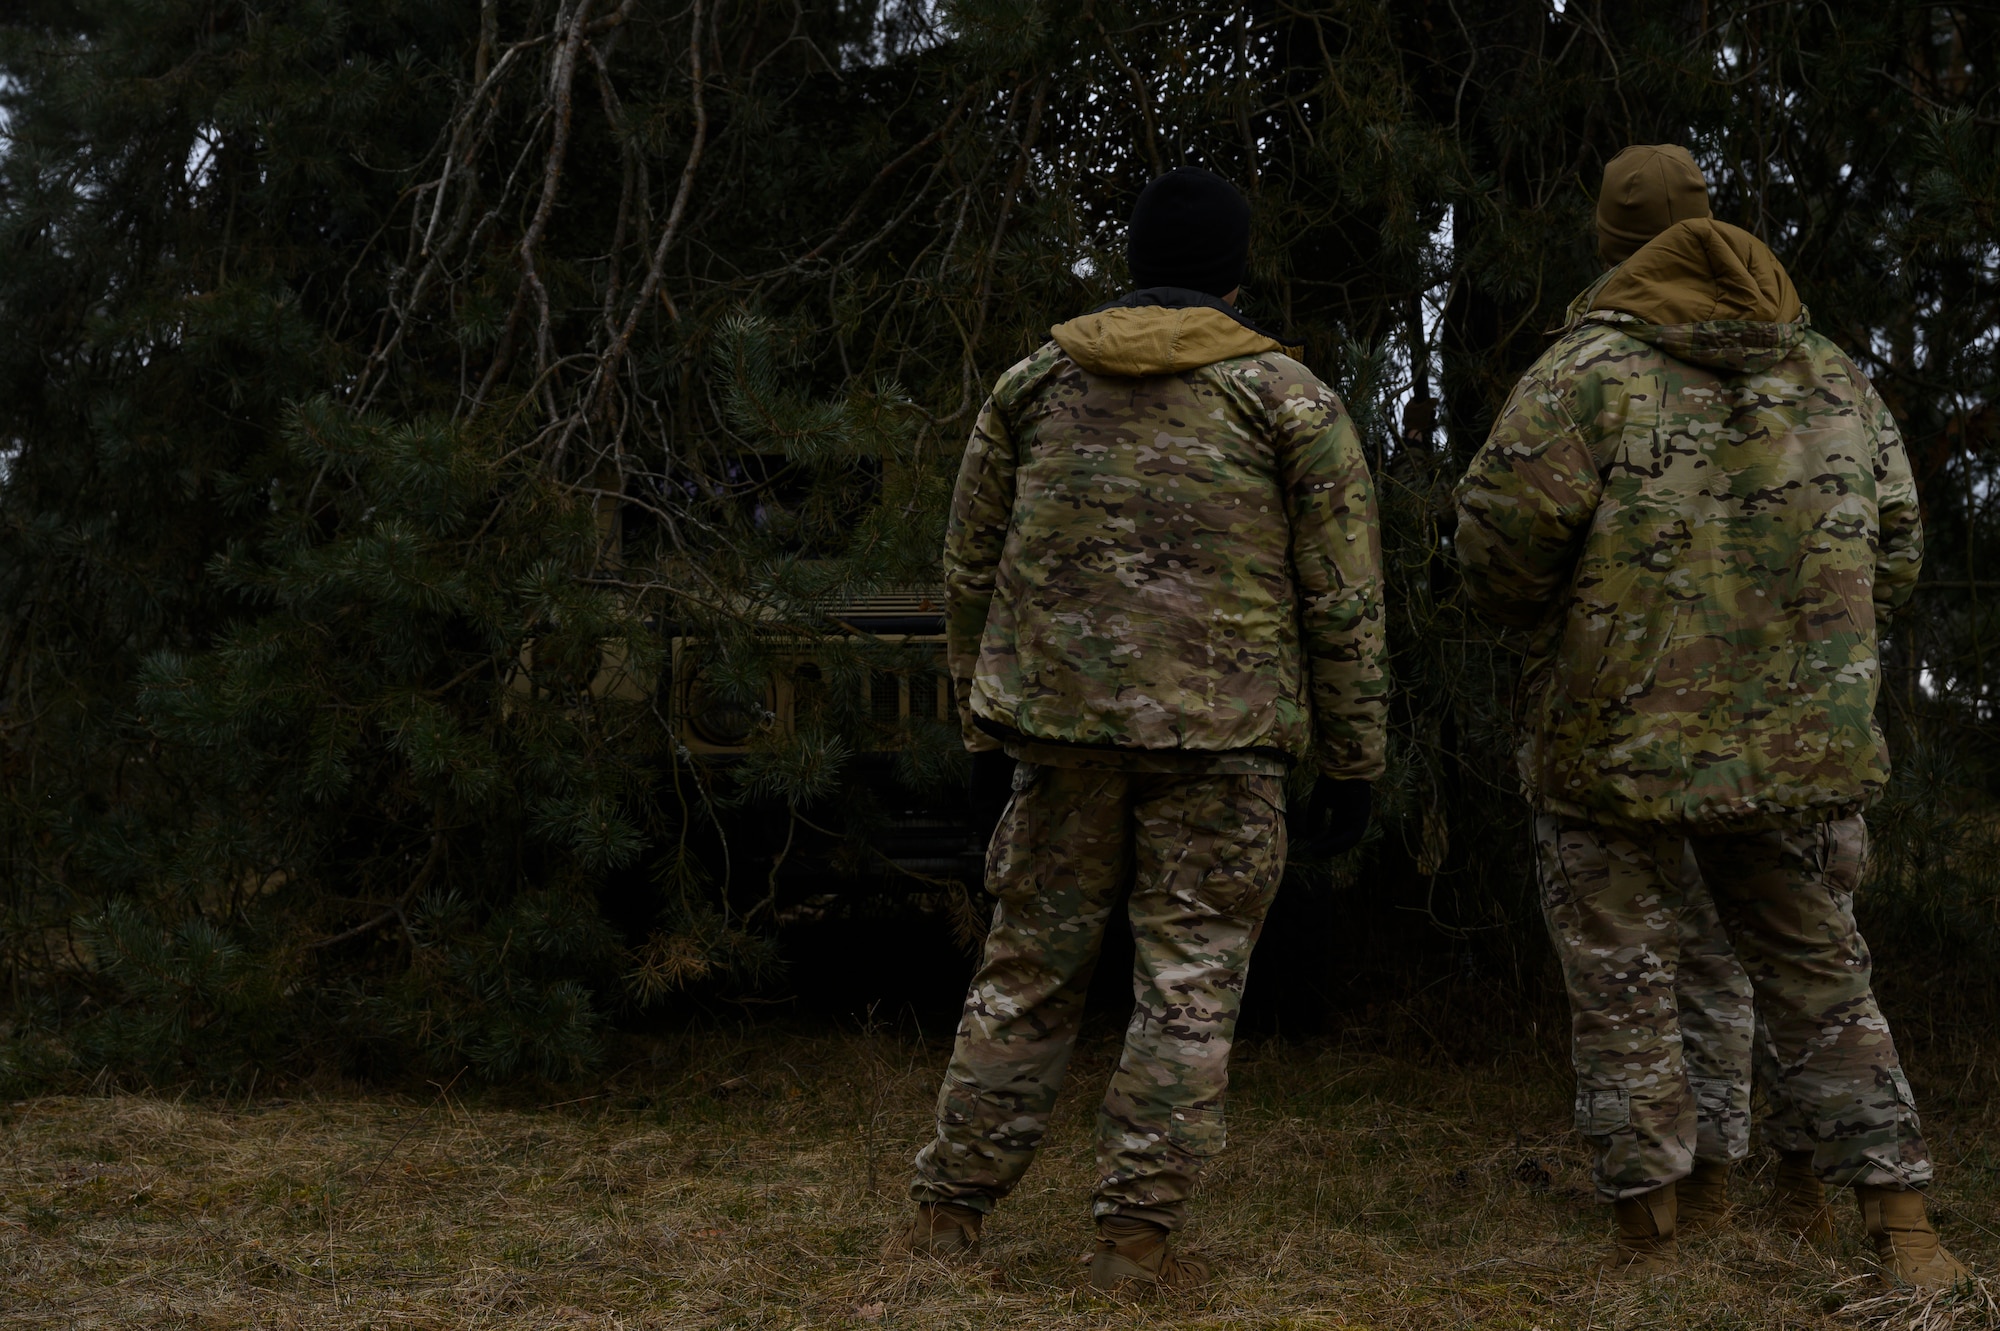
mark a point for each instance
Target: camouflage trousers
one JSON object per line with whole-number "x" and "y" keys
{"x": 1204, "y": 855}
{"x": 1723, "y": 1040}
{"x": 1616, "y": 905}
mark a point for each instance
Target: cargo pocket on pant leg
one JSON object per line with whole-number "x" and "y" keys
{"x": 973, "y": 1159}
{"x": 1714, "y": 1097}
{"x": 1198, "y": 1132}
{"x": 1236, "y": 824}
{"x": 1722, "y": 1117}
{"x": 1906, "y": 1099}
{"x": 956, "y": 1106}
{"x": 1012, "y": 855}
{"x": 1891, "y": 1102}
{"x": 983, "y": 1125}
{"x": 1845, "y": 854}
{"x": 1601, "y": 1113}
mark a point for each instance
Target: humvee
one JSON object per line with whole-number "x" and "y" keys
{"x": 917, "y": 837}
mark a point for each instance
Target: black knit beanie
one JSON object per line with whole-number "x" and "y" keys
{"x": 1190, "y": 229}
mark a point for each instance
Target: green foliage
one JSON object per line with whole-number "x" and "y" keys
{"x": 1934, "y": 889}
{"x": 498, "y": 991}
{"x": 191, "y": 989}
{"x": 400, "y": 399}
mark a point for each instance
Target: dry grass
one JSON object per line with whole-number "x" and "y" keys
{"x": 746, "y": 1183}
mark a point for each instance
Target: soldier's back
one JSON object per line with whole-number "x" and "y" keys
{"x": 1715, "y": 660}
{"x": 1145, "y": 596}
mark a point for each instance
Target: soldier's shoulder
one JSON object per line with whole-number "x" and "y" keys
{"x": 1020, "y": 380}
{"x": 1278, "y": 379}
{"x": 1596, "y": 342}
{"x": 1837, "y": 380}
{"x": 1828, "y": 361}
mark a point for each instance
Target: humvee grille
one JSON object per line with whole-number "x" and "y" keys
{"x": 918, "y": 610}
{"x": 884, "y": 698}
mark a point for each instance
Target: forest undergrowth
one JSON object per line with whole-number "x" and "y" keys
{"x": 745, "y": 1179}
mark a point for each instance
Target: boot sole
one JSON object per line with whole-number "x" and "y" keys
{"x": 1951, "y": 1273}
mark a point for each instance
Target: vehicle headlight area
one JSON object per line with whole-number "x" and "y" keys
{"x": 721, "y": 719}
{"x": 880, "y": 677}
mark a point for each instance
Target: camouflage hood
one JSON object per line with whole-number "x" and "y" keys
{"x": 1704, "y": 292}
{"x": 1161, "y": 330}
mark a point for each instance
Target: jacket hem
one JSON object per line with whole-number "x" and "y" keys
{"x": 1008, "y": 735}
{"x": 1720, "y": 824}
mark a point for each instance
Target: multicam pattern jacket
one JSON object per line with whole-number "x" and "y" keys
{"x": 1707, "y": 523}
{"x": 1163, "y": 543}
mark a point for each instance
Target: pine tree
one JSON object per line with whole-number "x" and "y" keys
{"x": 389, "y": 385}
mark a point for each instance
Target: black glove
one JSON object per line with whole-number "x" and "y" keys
{"x": 991, "y": 787}
{"x": 1335, "y": 818}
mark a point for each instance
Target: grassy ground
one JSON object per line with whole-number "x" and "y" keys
{"x": 745, "y": 1182}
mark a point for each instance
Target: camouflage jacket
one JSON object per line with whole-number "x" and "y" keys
{"x": 1706, "y": 513}
{"x": 1163, "y": 553}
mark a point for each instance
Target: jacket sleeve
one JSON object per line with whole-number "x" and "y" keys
{"x": 982, "y": 504}
{"x": 1336, "y": 564}
{"x": 1899, "y": 549}
{"x": 1525, "y": 505}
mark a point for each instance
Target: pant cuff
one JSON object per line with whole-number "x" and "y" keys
{"x": 1625, "y": 1192}
{"x": 1169, "y": 1218}
{"x": 925, "y": 1192}
{"x": 1879, "y": 1178}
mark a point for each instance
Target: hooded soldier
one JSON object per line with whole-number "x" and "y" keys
{"x": 1646, "y": 190}
{"x": 1704, "y": 513}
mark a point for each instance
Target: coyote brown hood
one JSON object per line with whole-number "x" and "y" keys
{"x": 1154, "y": 339}
{"x": 1708, "y": 293}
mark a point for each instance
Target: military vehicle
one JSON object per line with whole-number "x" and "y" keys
{"x": 888, "y": 653}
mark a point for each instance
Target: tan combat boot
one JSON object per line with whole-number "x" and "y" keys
{"x": 1644, "y": 1244}
{"x": 1133, "y": 1253}
{"x": 1798, "y": 1201}
{"x": 1701, "y": 1200}
{"x": 939, "y": 1229}
{"x": 1904, "y": 1240}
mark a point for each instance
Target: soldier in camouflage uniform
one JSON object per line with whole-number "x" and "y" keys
{"x": 1704, "y": 512}
{"x": 1162, "y": 589}
{"x": 1721, "y": 1039}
